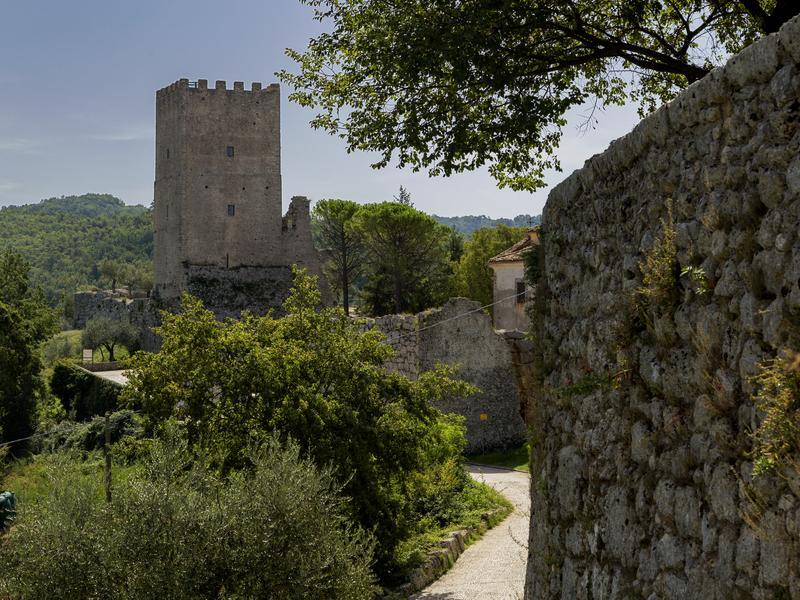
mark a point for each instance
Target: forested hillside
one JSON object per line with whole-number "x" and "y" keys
{"x": 471, "y": 223}
{"x": 65, "y": 239}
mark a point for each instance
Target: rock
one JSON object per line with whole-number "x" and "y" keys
{"x": 568, "y": 475}
{"x": 723, "y": 493}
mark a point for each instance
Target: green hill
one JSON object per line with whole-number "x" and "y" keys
{"x": 471, "y": 223}
{"x": 64, "y": 239}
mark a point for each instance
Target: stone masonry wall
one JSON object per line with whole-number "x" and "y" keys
{"x": 458, "y": 334}
{"x": 641, "y": 482}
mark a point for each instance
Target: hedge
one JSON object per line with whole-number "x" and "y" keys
{"x": 83, "y": 394}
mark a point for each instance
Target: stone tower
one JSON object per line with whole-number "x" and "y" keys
{"x": 219, "y": 233}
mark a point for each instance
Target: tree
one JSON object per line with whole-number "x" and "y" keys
{"x": 403, "y": 197}
{"x": 473, "y": 277}
{"x": 25, "y": 322}
{"x": 450, "y": 86}
{"x": 331, "y": 223}
{"x": 455, "y": 244}
{"x": 135, "y": 275}
{"x": 111, "y": 271}
{"x": 104, "y": 332}
{"x": 407, "y": 257}
{"x": 312, "y": 376}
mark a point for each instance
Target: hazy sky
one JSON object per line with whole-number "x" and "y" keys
{"x": 77, "y": 94}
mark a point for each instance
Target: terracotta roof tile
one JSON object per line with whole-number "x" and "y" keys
{"x": 515, "y": 252}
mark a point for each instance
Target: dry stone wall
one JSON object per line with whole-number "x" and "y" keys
{"x": 460, "y": 334}
{"x": 642, "y": 486}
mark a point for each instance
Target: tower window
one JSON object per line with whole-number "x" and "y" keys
{"x": 229, "y": 151}
{"x": 167, "y": 152}
{"x": 231, "y": 210}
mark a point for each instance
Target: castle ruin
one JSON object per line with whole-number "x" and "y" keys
{"x": 219, "y": 233}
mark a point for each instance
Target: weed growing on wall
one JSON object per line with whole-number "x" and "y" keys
{"x": 778, "y": 398}
{"x": 659, "y": 269}
{"x": 698, "y": 280}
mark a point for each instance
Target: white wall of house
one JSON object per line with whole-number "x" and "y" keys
{"x": 509, "y": 312}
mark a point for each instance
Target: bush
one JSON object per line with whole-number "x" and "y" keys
{"x": 85, "y": 437}
{"x": 312, "y": 376}
{"x": 83, "y": 395}
{"x": 278, "y": 530}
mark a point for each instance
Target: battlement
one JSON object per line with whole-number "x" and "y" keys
{"x": 186, "y": 86}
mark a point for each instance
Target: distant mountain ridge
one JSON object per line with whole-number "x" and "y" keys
{"x": 471, "y": 223}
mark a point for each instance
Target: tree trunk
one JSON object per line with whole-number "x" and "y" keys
{"x": 345, "y": 293}
{"x": 398, "y": 287}
{"x": 345, "y": 278}
{"x": 110, "y": 352}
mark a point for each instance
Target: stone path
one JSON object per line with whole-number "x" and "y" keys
{"x": 493, "y": 568}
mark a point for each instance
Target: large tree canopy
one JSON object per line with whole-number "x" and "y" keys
{"x": 450, "y": 85}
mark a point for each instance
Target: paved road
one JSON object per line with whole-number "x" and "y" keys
{"x": 115, "y": 376}
{"x": 493, "y": 568}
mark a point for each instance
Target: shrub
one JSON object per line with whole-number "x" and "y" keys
{"x": 313, "y": 376}
{"x": 778, "y": 398}
{"x": 660, "y": 269}
{"x": 85, "y": 437}
{"x": 83, "y": 395}
{"x": 278, "y": 530}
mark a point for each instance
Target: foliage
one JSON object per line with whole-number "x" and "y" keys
{"x": 105, "y": 332}
{"x": 82, "y": 394}
{"x": 407, "y": 258}
{"x": 455, "y": 245}
{"x": 514, "y": 458}
{"x": 313, "y": 376}
{"x": 279, "y": 530}
{"x": 698, "y": 279}
{"x": 450, "y": 86}
{"x": 136, "y": 276}
{"x": 25, "y": 321}
{"x": 341, "y": 246}
{"x": 469, "y": 509}
{"x": 473, "y": 277}
{"x": 64, "y": 344}
{"x": 469, "y": 224}
{"x": 533, "y": 262}
{"x": 659, "y": 288}
{"x": 403, "y": 197}
{"x": 90, "y": 435}
{"x": 65, "y": 239}
{"x": 777, "y": 397}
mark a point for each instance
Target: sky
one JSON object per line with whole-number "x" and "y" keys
{"x": 77, "y": 104}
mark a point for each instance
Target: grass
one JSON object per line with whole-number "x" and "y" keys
{"x": 476, "y": 500}
{"x": 31, "y": 478}
{"x": 68, "y": 344}
{"x": 515, "y": 458}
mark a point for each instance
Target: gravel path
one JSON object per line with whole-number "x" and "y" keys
{"x": 493, "y": 568}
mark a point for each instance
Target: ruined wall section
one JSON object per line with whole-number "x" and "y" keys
{"x": 460, "y": 334}
{"x": 641, "y": 479}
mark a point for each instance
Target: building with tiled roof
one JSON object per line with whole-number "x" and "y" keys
{"x": 509, "y": 288}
